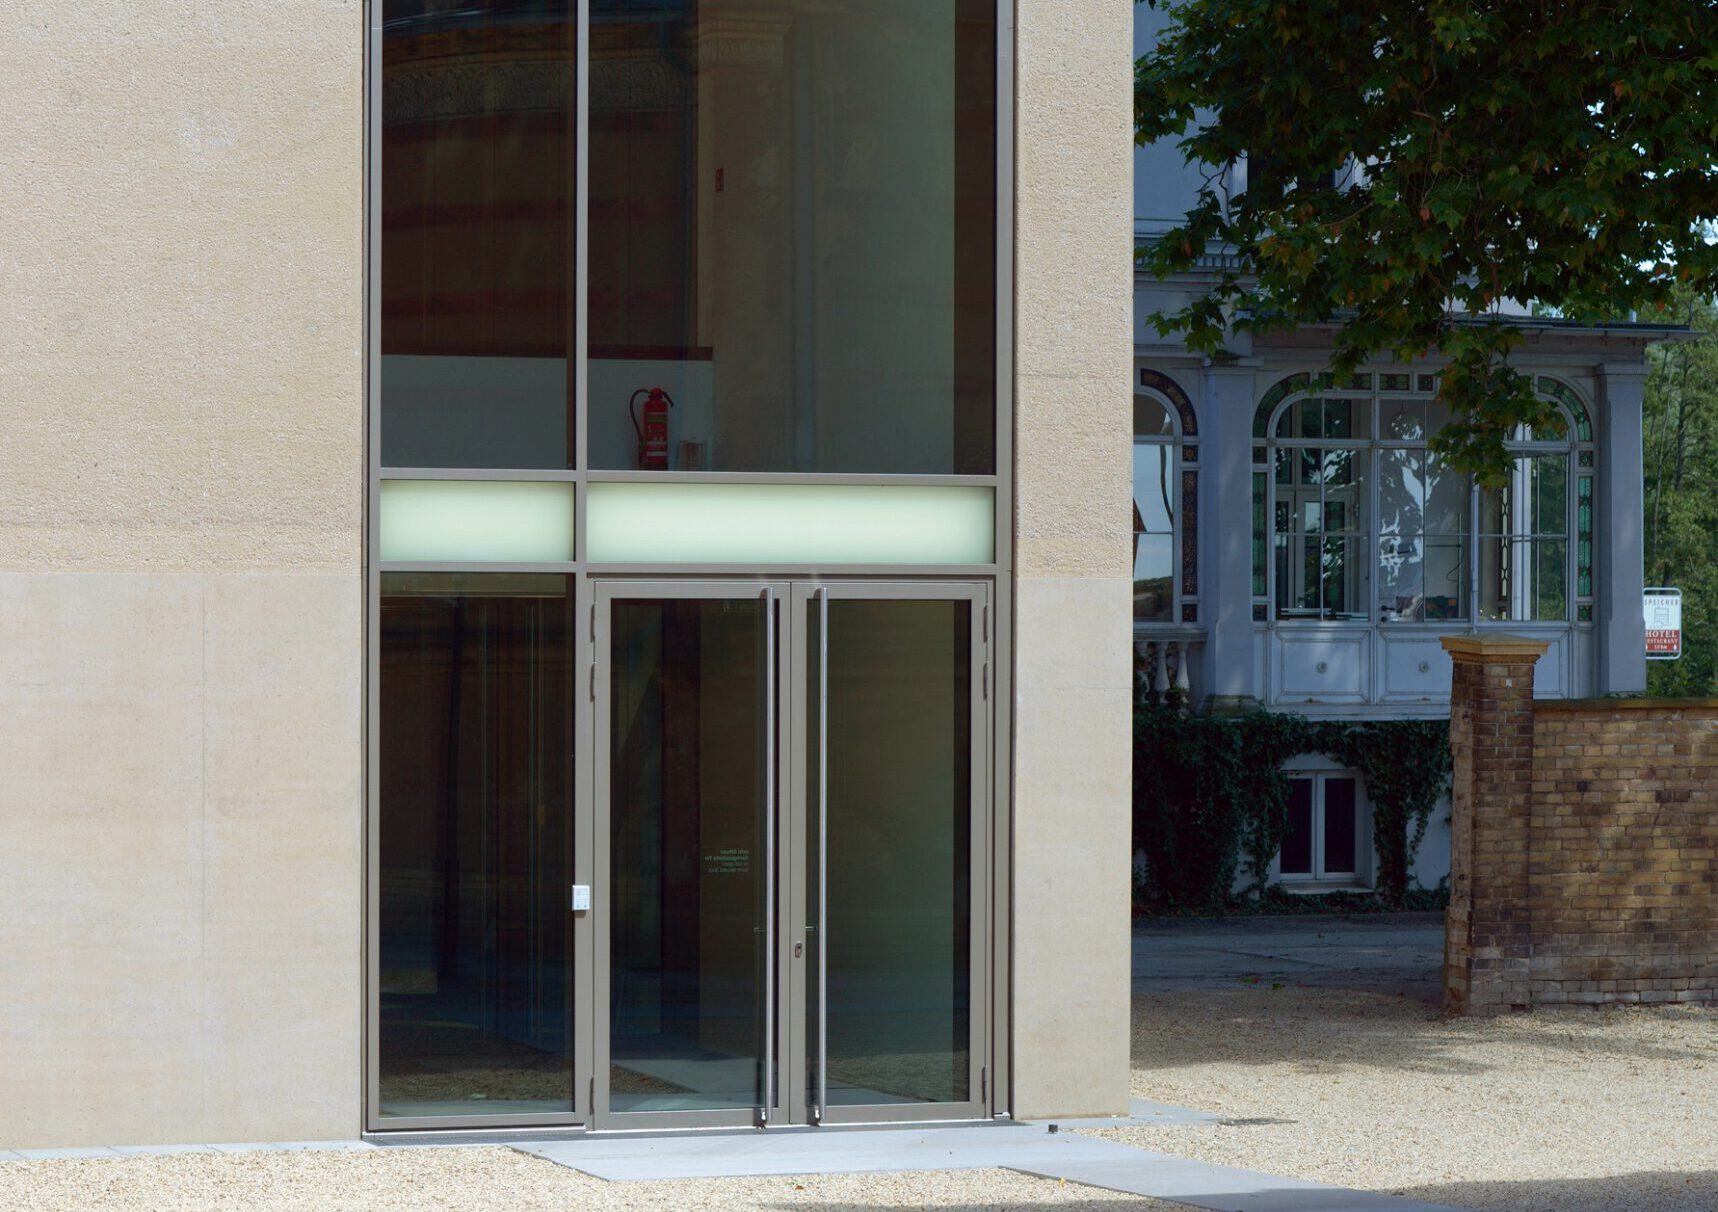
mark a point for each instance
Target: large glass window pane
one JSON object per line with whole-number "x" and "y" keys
{"x": 476, "y": 800}
{"x": 1319, "y": 515}
{"x": 899, "y": 785}
{"x": 1524, "y": 548}
{"x": 477, "y": 213}
{"x": 1154, "y": 496}
{"x": 1422, "y": 549}
{"x": 688, "y": 764}
{"x": 793, "y": 231}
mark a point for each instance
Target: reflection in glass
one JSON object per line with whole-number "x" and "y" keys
{"x": 1151, "y": 419}
{"x": 1524, "y": 542}
{"x": 1320, "y": 567}
{"x": 899, "y": 781}
{"x": 476, "y": 724}
{"x": 1422, "y": 543}
{"x": 476, "y": 232}
{"x": 793, "y": 231}
{"x": 1153, "y": 533}
{"x": 687, "y": 763}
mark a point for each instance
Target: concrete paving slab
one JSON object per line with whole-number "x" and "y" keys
{"x": 1026, "y": 1148}
{"x": 982, "y": 1147}
{"x": 63, "y": 1154}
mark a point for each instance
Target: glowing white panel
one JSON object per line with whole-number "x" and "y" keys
{"x": 813, "y": 524}
{"x": 477, "y": 521}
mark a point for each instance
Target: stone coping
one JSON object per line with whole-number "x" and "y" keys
{"x": 1630, "y": 704}
{"x": 1499, "y": 647}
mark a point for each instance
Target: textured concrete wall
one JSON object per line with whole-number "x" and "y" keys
{"x": 181, "y": 468}
{"x": 1073, "y": 625}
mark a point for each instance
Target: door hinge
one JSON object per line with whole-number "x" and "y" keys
{"x": 987, "y": 680}
{"x": 592, "y": 1096}
{"x": 985, "y": 614}
{"x": 984, "y": 1085}
{"x": 593, "y": 681}
{"x": 593, "y": 623}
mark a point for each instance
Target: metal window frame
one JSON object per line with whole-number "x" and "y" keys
{"x": 997, "y": 575}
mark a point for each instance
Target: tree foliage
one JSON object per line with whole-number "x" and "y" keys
{"x": 1682, "y": 493}
{"x": 1405, "y": 169}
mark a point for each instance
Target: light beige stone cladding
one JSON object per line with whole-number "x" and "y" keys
{"x": 1073, "y": 621}
{"x": 1585, "y": 859}
{"x": 181, "y": 492}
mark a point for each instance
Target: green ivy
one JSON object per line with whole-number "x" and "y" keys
{"x": 1210, "y": 792}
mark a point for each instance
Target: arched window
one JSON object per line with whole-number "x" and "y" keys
{"x": 1536, "y": 533}
{"x": 1357, "y": 521}
{"x": 1165, "y": 503}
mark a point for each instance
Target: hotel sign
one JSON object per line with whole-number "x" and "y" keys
{"x": 1663, "y": 624}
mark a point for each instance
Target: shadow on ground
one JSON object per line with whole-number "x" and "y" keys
{"x": 1647, "y": 1191}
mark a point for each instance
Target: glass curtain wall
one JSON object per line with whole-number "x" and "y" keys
{"x": 793, "y": 235}
{"x": 781, "y": 257}
{"x": 476, "y": 795}
{"x": 477, "y": 184}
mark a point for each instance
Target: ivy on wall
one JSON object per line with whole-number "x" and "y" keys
{"x": 1210, "y": 792}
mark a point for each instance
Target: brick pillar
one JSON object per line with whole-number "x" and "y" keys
{"x": 1488, "y": 934}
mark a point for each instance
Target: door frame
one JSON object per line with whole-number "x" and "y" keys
{"x": 788, "y": 1044}
{"x": 803, "y": 1059}
{"x": 603, "y": 592}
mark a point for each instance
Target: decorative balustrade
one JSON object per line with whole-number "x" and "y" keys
{"x": 1165, "y": 665}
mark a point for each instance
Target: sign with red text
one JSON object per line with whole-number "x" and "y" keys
{"x": 1663, "y": 624}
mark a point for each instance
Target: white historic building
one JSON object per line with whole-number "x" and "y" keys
{"x": 1298, "y": 547}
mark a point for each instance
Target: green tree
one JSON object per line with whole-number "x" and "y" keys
{"x": 1411, "y": 166}
{"x": 1682, "y": 492}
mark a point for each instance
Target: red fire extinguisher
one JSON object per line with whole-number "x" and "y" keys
{"x": 652, "y": 427}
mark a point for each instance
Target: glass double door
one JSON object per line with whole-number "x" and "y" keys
{"x": 789, "y": 910}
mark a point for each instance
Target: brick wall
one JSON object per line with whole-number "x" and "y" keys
{"x": 1584, "y": 857}
{"x": 1623, "y": 852}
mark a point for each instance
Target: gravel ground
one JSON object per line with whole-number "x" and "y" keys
{"x": 481, "y": 1180}
{"x": 1554, "y": 1111}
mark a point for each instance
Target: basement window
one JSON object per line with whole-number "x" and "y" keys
{"x": 1324, "y": 841}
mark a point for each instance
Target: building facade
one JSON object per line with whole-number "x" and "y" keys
{"x": 1298, "y": 548}
{"x": 565, "y": 561}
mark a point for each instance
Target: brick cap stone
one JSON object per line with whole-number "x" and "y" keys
{"x": 1495, "y": 648}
